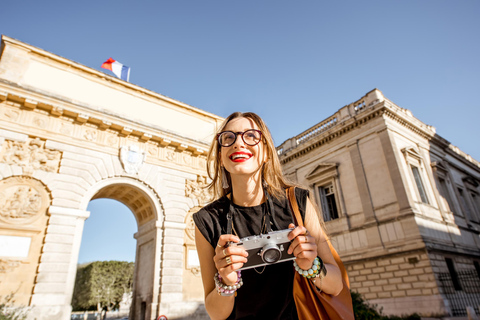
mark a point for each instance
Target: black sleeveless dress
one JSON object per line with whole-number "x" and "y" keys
{"x": 266, "y": 292}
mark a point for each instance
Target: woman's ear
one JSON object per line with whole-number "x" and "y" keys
{"x": 265, "y": 156}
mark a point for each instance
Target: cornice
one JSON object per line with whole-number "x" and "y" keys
{"x": 386, "y": 109}
{"x": 97, "y": 74}
{"x": 31, "y": 101}
{"x": 331, "y": 134}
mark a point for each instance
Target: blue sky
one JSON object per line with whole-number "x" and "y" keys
{"x": 293, "y": 62}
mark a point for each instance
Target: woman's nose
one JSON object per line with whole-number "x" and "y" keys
{"x": 239, "y": 139}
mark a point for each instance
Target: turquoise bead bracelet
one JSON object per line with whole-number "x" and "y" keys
{"x": 317, "y": 269}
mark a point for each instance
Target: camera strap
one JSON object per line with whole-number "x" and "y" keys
{"x": 269, "y": 218}
{"x": 229, "y": 217}
{"x": 266, "y": 219}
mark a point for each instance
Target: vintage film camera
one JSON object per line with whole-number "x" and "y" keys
{"x": 266, "y": 249}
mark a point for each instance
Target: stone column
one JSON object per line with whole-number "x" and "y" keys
{"x": 52, "y": 294}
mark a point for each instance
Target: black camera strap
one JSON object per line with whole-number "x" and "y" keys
{"x": 268, "y": 216}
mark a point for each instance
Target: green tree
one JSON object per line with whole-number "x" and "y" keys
{"x": 102, "y": 283}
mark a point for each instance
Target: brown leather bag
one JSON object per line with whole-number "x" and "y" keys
{"x": 312, "y": 304}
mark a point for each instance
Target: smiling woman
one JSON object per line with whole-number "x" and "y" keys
{"x": 251, "y": 207}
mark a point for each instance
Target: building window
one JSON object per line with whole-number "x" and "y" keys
{"x": 476, "y": 202}
{"x": 329, "y": 204}
{"x": 419, "y": 183}
{"x": 323, "y": 178}
{"x": 453, "y": 274}
{"x": 477, "y": 268}
{"x": 444, "y": 192}
{"x": 465, "y": 205}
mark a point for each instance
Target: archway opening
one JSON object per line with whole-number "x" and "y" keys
{"x": 120, "y": 232}
{"x": 106, "y": 260}
{"x": 108, "y": 232}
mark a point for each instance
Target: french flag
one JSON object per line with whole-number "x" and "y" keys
{"x": 121, "y": 71}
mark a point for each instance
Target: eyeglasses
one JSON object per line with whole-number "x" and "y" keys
{"x": 251, "y": 137}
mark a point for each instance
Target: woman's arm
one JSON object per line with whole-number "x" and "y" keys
{"x": 307, "y": 246}
{"x": 211, "y": 260}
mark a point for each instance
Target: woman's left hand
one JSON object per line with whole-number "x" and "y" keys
{"x": 303, "y": 246}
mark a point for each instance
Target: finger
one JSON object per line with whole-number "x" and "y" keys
{"x": 228, "y": 270}
{"x": 223, "y": 241}
{"x": 296, "y": 232}
{"x": 225, "y": 264}
{"x": 305, "y": 250}
{"x": 230, "y": 251}
{"x": 301, "y": 239}
{"x": 226, "y": 238}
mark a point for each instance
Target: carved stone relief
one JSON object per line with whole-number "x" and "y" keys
{"x": 31, "y": 154}
{"x": 22, "y": 200}
{"x": 11, "y": 114}
{"x": 90, "y": 135}
{"x": 189, "y": 239}
{"x": 112, "y": 139}
{"x": 66, "y": 128}
{"x": 132, "y": 158}
{"x": 171, "y": 155}
{"x": 40, "y": 122}
{"x": 94, "y": 133}
{"x": 152, "y": 150}
{"x": 190, "y": 227}
{"x": 187, "y": 159}
{"x": 196, "y": 189}
{"x": 195, "y": 271}
{"x": 8, "y": 265}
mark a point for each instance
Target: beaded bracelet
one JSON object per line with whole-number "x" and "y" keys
{"x": 312, "y": 272}
{"x": 225, "y": 290}
{"x": 317, "y": 271}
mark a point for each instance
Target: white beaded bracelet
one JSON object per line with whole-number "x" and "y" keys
{"x": 225, "y": 290}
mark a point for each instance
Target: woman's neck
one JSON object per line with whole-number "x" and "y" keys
{"x": 247, "y": 192}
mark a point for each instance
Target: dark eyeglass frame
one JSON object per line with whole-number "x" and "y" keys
{"x": 243, "y": 137}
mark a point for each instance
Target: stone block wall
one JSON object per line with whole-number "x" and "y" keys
{"x": 399, "y": 284}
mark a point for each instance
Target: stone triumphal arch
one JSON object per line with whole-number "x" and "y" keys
{"x": 70, "y": 134}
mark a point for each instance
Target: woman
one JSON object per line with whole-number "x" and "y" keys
{"x": 247, "y": 180}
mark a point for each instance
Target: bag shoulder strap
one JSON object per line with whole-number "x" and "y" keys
{"x": 294, "y": 205}
{"x": 296, "y": 211}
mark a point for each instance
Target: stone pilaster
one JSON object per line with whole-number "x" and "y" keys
{"x": 55, "y": 280}
{"x": 172, "y": 266}
{"x": 362, "y": 184}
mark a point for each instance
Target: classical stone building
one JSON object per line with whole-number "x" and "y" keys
{"x": 401, "y": 205}
{"x": 70, "y": 134}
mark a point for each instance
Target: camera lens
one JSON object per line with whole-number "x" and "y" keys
{"x": 271, "y": 253}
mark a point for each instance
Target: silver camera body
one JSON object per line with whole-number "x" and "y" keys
{"x": 266, "y": 249}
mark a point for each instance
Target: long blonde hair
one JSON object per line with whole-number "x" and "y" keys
{"x": 272, "y": 175}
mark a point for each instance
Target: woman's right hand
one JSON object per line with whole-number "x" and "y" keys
{"x": 229, "y": 259}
